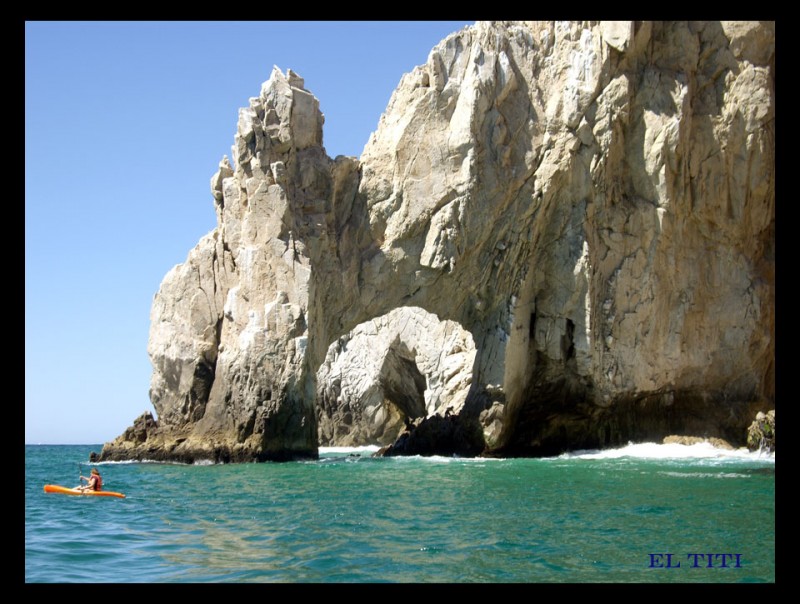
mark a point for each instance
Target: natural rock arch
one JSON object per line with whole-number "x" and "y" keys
{"x": 388, "y": 373}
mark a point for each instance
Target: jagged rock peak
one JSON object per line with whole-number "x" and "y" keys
{"x": 284, "y": 117}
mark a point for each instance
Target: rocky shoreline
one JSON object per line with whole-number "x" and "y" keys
{"x": 436, "y": 435}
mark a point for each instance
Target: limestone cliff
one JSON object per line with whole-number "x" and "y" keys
{"x": 561, "y": 235}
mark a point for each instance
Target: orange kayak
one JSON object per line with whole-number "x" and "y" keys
{"x": 53, "y": 488}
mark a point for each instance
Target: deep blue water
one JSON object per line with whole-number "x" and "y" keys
{"x": 597, "y": 517}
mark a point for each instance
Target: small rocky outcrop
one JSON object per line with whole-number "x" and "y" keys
{"x": 696, "y": 440}
{"x": 761, "y": 433}
{"x": 592, "y": 202}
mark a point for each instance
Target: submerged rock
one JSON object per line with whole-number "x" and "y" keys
{"x": 695, "y": 440}
{"x": 593, "y": 203}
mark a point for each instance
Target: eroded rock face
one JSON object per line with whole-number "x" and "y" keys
{"x": 593, "y": 202}
{"x": 229, "y": 326}
{"x": 390, "y": 371}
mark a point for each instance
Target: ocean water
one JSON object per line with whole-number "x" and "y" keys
{"x": 641, "y": 514}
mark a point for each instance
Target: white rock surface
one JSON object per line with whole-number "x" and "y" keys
{"x": 389, "y": 371}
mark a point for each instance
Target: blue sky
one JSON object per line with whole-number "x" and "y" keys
{"x": 125, "y": 123}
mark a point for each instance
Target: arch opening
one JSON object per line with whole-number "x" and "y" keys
{"x": 389, "y": 372}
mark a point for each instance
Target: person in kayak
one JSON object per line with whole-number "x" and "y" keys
{"x": 94, "y": 482}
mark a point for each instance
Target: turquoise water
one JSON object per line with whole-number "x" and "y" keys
{"x": 595, "y": 517}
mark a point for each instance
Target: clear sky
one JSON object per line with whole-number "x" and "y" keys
{"x": 125, "y": 123}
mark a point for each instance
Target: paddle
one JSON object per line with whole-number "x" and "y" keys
{"x": 80, "y": 477}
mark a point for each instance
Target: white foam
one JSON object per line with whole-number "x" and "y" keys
{"x": 447, "y": 459}
{"x": 704, "y": 450}
{"x": 705, "y": 474}
{"x": 362, "y": 449}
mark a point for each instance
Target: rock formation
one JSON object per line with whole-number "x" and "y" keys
{"x": 591, "y": 205}
{"x": 390, "y": 371}
{"x": 761, "y": 433}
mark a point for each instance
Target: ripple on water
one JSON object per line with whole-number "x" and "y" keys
{"x": 400, "y": 520}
